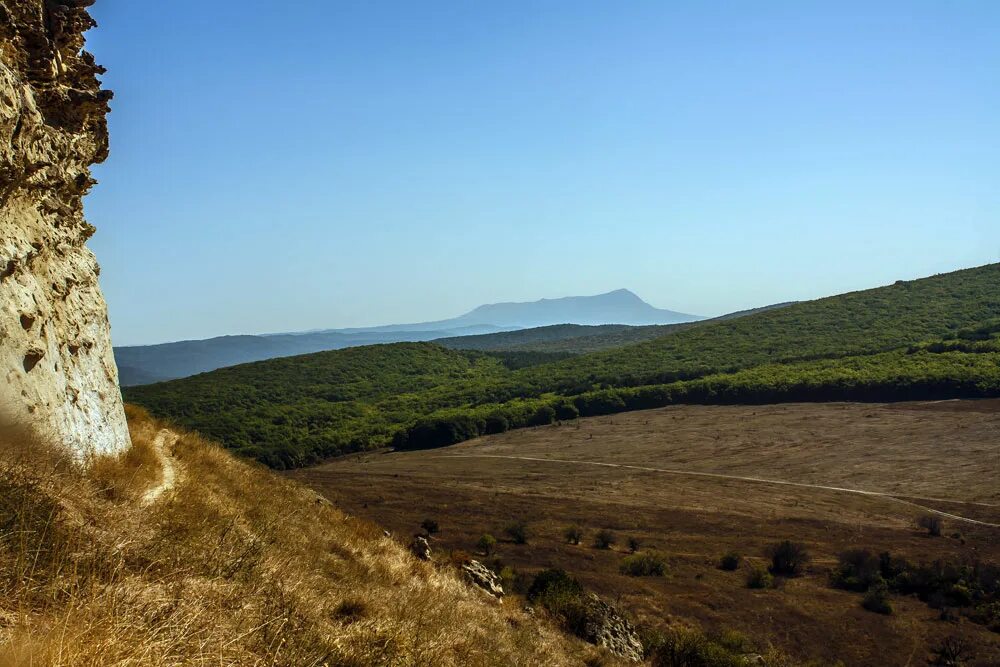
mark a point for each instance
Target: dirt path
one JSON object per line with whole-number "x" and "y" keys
{"x": 165, "y": 439}
{"x": 757, "y": 480}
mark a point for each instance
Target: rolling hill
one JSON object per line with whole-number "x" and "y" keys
{"x": 933, "y": 337}
{"x": 144, "y": 364}
{"x": 578, "y": 339}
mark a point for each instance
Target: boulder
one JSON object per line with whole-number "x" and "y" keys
{"x": 421, "y": 548}
{"x": 483, "y": 577}
{"x": 608, "y": 628}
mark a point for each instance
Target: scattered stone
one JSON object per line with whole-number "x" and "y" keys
{"x": 421, "y": 548}
{"x": 483, "y": 577}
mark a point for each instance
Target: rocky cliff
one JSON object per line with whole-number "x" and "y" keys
{"x": 55, "y": 346}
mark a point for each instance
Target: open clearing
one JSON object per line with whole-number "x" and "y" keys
{"x": 697, "y": 481}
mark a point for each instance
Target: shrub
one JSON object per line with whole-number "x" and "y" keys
{"x": 517, "y": 532}
{"x": 730, "y": 561}
{"x": 496, "y": 424}
{"x": 604, "y": 539}
{"x": 562, "y": 596}
{"x": 486, "y": 544}
{"x": 857, "y": 570}
{"x": 645, "y": 564}
{"x": 787, "y": 558}
{"x": 690, "y": 648}
{"x": 758, "y": 577}
{"x": 553, "y": 579}
{"x": 430, "y": 526}
{"x": 953, "y": 652}
{"x": 573, "y": 535}
{"x": 931, "y": 523}
{"x": 634, "y": 544}
{"x": 508, "y": 576}
{"x": 877, "y": 598}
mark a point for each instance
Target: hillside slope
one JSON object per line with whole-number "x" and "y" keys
{"x": 873, "y": 320}
{"x": 232, "y": 566}
{"x": 577, "y": 338}
{"x": 145, "y": 364}
{"x": 292, "y": 412}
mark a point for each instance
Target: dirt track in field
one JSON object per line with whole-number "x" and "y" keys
{"x": 696, "y": 481}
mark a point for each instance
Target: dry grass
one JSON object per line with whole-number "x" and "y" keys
{"x": 128, "y": 475}
{"x": 945, "y": 450}
{"x": 235, "y": 567}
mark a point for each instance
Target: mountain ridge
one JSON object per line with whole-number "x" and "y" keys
{"x": 141, "y": 364}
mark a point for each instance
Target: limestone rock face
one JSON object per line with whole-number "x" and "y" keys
{"x": 606, "y": 627}
{"x": 483, "y": 577}
{"x": 55, "y": 346}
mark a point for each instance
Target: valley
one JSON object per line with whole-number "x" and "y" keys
{"x": 694, "y": 482}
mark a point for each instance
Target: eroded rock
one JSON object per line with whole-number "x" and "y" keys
{"x": 421, "y": 548}
{"x": 58, "y": 370}
{"x": 483, "y": 577}
{"x": 606, "y": 627}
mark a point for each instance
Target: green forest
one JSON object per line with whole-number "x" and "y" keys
{"x": 930, "y": 338}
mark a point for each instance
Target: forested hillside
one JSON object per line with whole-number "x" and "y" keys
{"x": 580, "y": 339}
{"x": 934, "y": 337}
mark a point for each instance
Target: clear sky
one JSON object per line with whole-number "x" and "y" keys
{"x": 287, "y": 165}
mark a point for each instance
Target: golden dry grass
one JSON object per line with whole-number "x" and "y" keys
{"x": 924, "y": 452}
{"x": 234, "y": 567}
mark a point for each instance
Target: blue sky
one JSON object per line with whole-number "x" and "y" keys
{"x": 281, "y": 166}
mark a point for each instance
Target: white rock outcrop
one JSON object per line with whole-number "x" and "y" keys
{"x": 59, "y": 374}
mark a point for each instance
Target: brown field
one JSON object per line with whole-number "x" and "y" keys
{"x": 706, "y": 480}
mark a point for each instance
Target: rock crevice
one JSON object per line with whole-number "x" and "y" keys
{"x": 59, "y": 372}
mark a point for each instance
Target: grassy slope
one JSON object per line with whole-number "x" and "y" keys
{"x": 294, "y": 411}
{"x": 235, "y": 566}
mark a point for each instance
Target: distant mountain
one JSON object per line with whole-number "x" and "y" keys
{"x": 144, "y": 364}
{"x": 580, "y": 339}
{"x": 617, "y": 307}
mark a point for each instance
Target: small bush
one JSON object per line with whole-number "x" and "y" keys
{"x": 758, "y": 577}
{"x": 634, "y": 544}
{"x": 517, "y": 532}
{"x": 644, "y": 565}
{"x": 604, "y": 539}
{"x": 486, "y": 544}
{"x": 573, "y": 535}
{"x": 877, "y": 598}
{"x": 690, "y": 648}
{"x": 430, "y": 526}
{"x": 787, "y": 558}
{"x": 857, "y": 570}
{"x": 931, "y": 523}
{"x": 953, "y": 652}
{"x": 562, "y": 596}
{"x": 730, "y": 561}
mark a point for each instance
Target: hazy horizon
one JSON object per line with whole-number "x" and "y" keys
{"x": 325, "y": 165}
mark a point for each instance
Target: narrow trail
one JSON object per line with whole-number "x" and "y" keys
{"x": 757, "y": 480}
{"x": 164, "y": 440}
